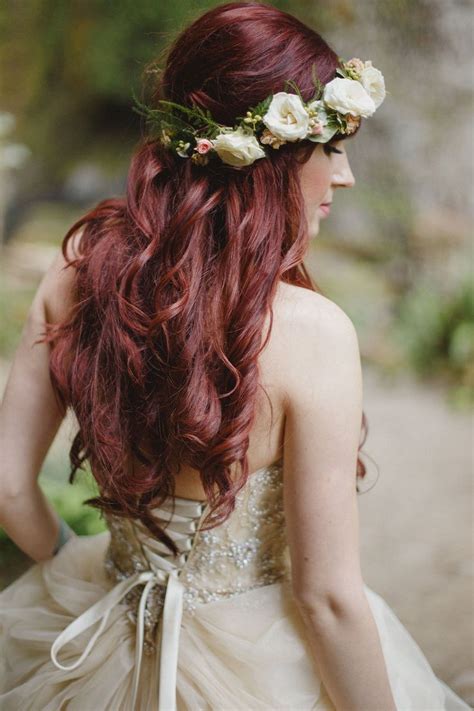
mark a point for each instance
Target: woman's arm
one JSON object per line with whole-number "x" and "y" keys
{"x": 322, "y": 433}
{"x": 29, "y": 420}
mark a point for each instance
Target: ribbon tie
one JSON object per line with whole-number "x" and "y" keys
{"x": 164, "y": 573}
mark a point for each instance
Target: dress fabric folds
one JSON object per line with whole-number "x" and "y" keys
{"x": 115, "y": 622}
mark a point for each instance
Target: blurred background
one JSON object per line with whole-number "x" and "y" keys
{"x": 395, "y": 254}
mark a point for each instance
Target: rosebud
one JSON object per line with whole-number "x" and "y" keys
{"x": 317, "y": 128}
{"x": 354, "y": 67}
{"x": 352, "y": 122}
{"x": 203, "y": 145}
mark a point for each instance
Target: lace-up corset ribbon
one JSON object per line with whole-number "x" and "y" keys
{"x": 248, "y": 550}
{"x": 158, "y": 569}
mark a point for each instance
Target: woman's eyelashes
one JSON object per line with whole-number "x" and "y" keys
{"x": 331, "y": 149}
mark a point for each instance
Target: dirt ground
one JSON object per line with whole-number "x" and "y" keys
{"x": 416, "y": 521}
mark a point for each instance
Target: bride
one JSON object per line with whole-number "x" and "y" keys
{"x": 218, "y": 395}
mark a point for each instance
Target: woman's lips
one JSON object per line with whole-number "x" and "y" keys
{"x": 325, "y": 208}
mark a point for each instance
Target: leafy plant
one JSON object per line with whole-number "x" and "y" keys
{"x": 436, "y": 331}
{"x": 68, "y": 501}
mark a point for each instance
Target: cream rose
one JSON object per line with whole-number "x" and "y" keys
{"x": 287, "y": 117}
{"x": 348, "y": 96}
{"x": 238, "y": 147}
{"x": 373, "y": 82}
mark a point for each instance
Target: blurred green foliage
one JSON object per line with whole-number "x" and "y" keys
{"x": 436, "y": 331}
{"x": 14, "y": 307}
{"x": 68, "y": 501}
{"x": 76, "y": 79}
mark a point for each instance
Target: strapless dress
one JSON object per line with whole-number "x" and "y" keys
{"x": 116, "y": 622}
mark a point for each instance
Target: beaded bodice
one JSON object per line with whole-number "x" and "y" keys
{"x": 247, "y": 550}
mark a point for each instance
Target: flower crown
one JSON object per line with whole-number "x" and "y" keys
{"x": 336, "y": 107}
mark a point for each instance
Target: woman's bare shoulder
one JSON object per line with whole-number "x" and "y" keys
{"x": 314, "y": 338}
{"x": 304, "y": 308}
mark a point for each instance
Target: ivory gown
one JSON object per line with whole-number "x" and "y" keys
{"x": 227, "y": 636}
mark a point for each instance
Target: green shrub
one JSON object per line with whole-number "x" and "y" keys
{"x": 436, "y": 332}
{"x": 68, "y": 500}
{"x": 14, "y": 306}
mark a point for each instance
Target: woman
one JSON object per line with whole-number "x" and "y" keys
{"x": 227, "y": 463}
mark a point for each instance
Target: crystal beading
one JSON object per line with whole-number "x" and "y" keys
{"x": 246, "y": 551}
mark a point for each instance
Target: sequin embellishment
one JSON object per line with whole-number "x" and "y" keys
{"x": 246, "y": 551}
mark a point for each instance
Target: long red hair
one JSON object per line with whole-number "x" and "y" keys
{"x": 159, "y": 358}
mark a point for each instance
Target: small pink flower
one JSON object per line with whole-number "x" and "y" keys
{"x": 203, "y": 145}
{"x": 356, "y": 64}
{"x": 270, "y": 139}
{"x": 352, "y": 123}
{"x": 317, "y": 128}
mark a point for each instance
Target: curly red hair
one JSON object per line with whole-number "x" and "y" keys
{"x": 159, "y": 358}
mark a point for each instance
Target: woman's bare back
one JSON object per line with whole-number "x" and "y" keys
{"x": 267, "y": 435}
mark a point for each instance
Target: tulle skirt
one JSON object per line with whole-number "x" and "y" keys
{"x": 247, "y": 652}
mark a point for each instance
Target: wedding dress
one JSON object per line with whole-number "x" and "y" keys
{"x": 115, "y": 622}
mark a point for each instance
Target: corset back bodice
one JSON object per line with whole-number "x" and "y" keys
{"x": 247, "y": 550}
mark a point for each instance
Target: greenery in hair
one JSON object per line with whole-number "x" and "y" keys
{"x": 319, "y": 86}
{"x": 294, "y": 86}
{"x": 168, "y": 118}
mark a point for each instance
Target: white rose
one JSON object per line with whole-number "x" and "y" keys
{"x": 327, "y": 132}
{"x": 287, "y": 117}
{"x": 348, "y": 96}
{"x": 238, "y": 147}
{"x": 373, "y": 82}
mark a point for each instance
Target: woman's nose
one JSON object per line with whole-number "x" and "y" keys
{"x": 342, "y": 175}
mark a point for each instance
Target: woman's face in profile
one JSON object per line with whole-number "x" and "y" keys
{"x": 325, "y": 171}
